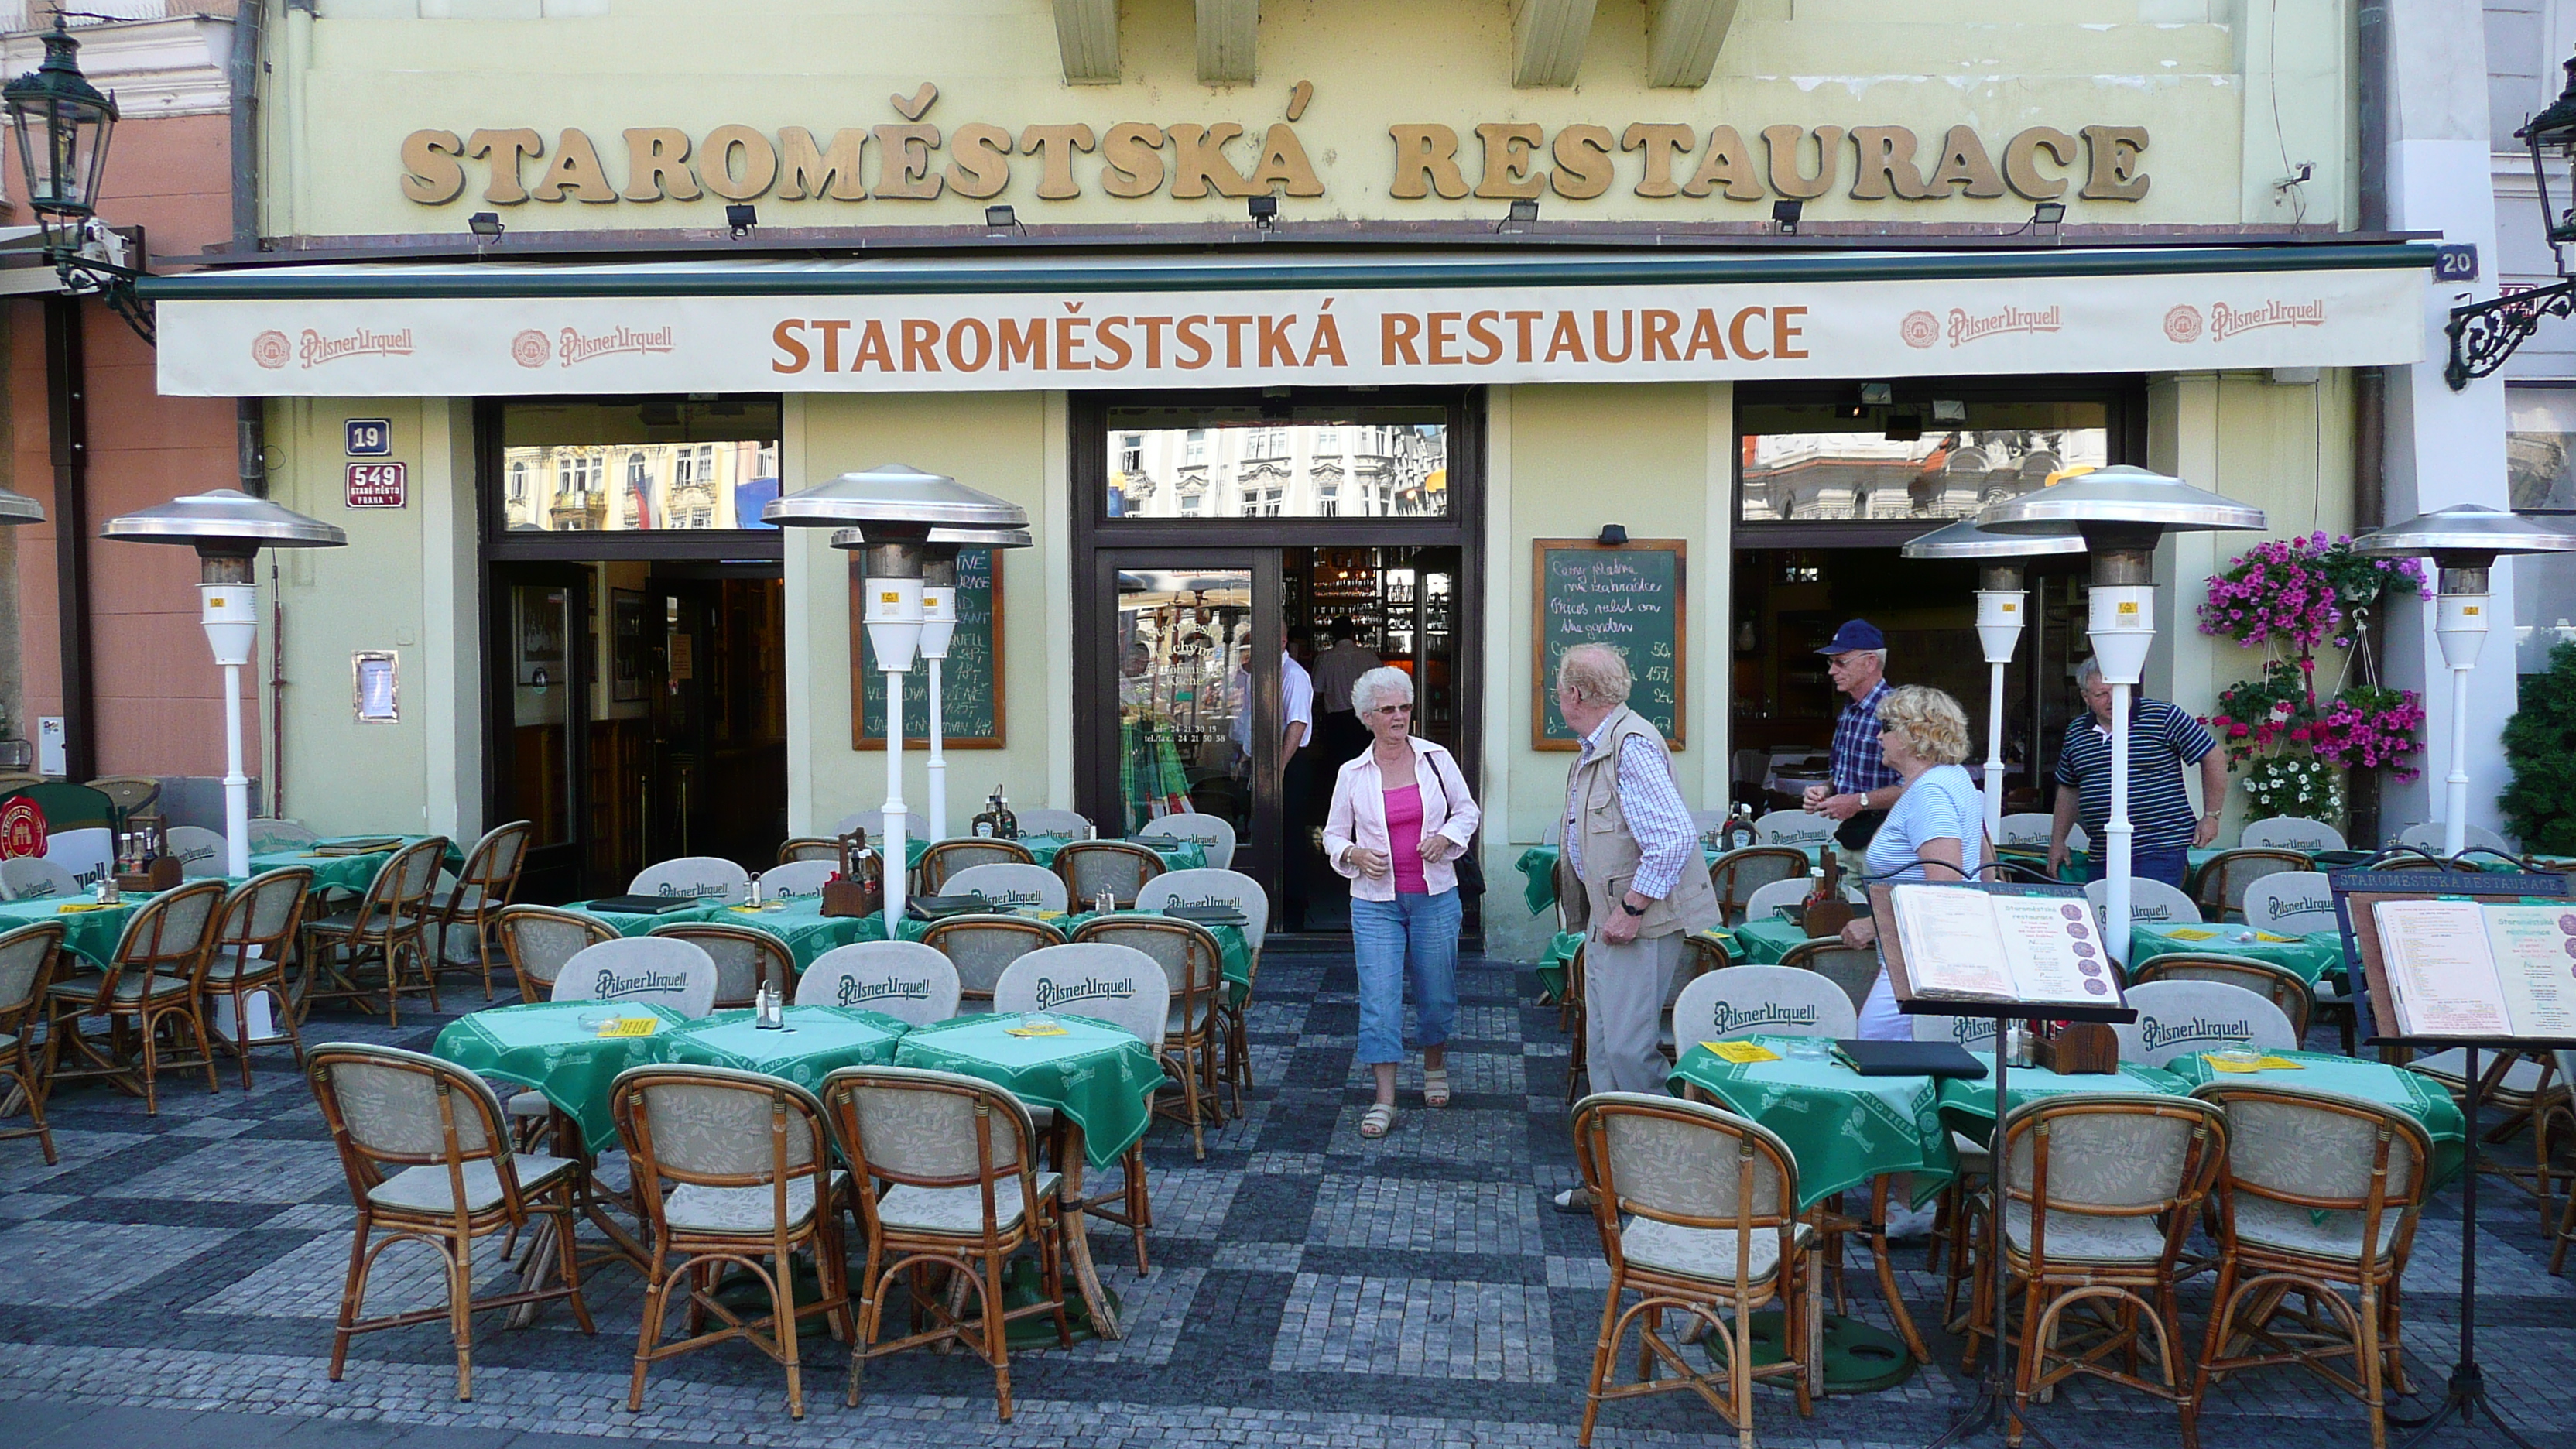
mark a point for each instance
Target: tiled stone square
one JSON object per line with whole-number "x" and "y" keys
{"x": 1416, "y": 1328}
{"x": 241, "y": 1170}
{"x": 66, "y": 1264}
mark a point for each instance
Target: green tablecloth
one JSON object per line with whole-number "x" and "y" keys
{"x": 799, "y": 922}
{"x": 351, "y": 873}
{"x": 1538, "y": 874}
{"x": 1764, "y": 942}
{"x": 1973, "y": 1102}
{"x": 821, "y": 1040}
{"x": 1097, "y": 1076}
{"x": 2077, "y": 861}
{"x": 1559, "y": 955}
{"x": 631, "y": 923}
{"x": 1843, "y": 1128}
{"x": 1176, "y": 854}
{"x": 544, "y": 1046}
{"x": 2311, "y": 955}
{"x": 1234, "y": 949}
{"x": 93, "y": 933}
{"x": 2409, "y": 1092}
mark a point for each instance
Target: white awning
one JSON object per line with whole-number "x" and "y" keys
{"x": 1029, "y": 321}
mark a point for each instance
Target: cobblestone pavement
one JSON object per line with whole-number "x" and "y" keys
{"x": 173, "y": 1282}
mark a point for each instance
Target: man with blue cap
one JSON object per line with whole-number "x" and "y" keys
{"x": 1863, "y": 785}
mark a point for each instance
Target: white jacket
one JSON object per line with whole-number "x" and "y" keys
{"x": 1359, "y": 817}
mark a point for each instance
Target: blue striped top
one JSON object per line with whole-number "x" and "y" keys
{"x": 2162, "y": 739}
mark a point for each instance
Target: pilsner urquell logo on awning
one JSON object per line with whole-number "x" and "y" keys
{"x": 270, "y": 349}
{"x": 2226, "y": 321}
{"x": 1922, "y": 329}
{"x": 572, "y": 345}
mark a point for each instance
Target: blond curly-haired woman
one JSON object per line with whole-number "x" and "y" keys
{"x": 1935, "y": 831}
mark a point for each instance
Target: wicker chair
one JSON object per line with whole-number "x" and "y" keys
{"x": 702, "y": 878}
{"x": 538, "y": 940}
{"x": 1069, "y": 824}
{"x": 904, "y": 979}
{"x": 483, "y": 889}
{"x": 1698, "y": 1212}
{"x": 797, "y": 878}
{"x": 2224, "y": 877}
{"x": 1215, "y": 885}
{"x": 1854, "y": 969}
{"x": 2561, "y": 1112}
{"x": 1761, "y": 1001}
{"x": 1739, "y": 873}
{"x": 2320, "y": 1193}
{"x": 1193, "y": 967}
{"x": 944, "y": 858}
{"x": 1117, "y": 866}
{"x": 665, "y": 972}
{"x": 809, "y": 847}
{"x": 2276, "y": 984}
{"x": 389, "y": 926}
{"x": 747, "y": 1161}
{"x": 2177, "y": 1018}
{"x": 1144, "y": 1011}
{"x": 269, "y": 832}
{"x": 746, "y": 958}
{"x": 1010, "y": 885}
{"x": 260, "y": 922}
{"x": 29, "y": 957}
{"x": 2115, "y": 1182}
{"x": 980, "y": 947}
{"x": 962, "y": 1193}
{"x": 428, "y": 1162}
{"x": 32, "y": 877}
{"x": 1214, "y": 834}
{"x": 157, "y": 978}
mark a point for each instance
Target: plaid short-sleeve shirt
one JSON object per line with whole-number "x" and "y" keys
{"x": 1858, "y": 766}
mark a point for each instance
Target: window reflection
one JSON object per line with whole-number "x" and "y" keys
{"x": 638, "y": 466}
{"x": 1386, "y": 463}
{"x": 1895, "y": 464}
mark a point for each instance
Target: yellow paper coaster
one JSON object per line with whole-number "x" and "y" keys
{"x": 77, "y": 907}
{"x": 1743, "y": 1053}
{"x": 631, "y": 1026}
{"x": 2265, "y": 1063}
{"x": 2268, "y": 936}
{"x": 2191, "y": 933}
{"x": 1034, "y": 1030}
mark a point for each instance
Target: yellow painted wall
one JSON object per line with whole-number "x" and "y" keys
{"x": 2224, "y": 126}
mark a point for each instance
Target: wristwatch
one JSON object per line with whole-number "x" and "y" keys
{"x": 1631, "y": 910}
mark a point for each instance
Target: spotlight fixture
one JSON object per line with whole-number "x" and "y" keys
{"x": 1877, "y": 394}
{"x": 1612, "y": 535}
{"x": 1904, "y": 427}
{"x": 2048, "y": 213}
{"x": 1949, "y": 410}
{"x": 1785, "y": 214}
{"x": 485, "y": 224}
{"x": 1522, "y": 216}
{"x": 1003, "y": 221}
{"x": 1264, "y": 211}
{"x": 740, "y": 219}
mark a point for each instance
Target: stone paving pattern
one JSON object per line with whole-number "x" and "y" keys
{"x": 173, "y": 1282}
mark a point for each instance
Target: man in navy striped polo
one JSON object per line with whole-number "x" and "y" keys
{"x": 2162, "y": 739}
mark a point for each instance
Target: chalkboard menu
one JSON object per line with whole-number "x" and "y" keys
{"x": 1631, "y": 597}
{"x": 969, "y": 679}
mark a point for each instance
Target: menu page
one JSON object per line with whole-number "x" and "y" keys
{"x": 2442, "y": 969}
{"x": 2535, "y": 957}
{"x": 2053, "y": 949}
{"x": 1949, "y": 938}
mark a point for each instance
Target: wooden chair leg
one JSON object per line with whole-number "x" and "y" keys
{"x": 353, "y": 1291}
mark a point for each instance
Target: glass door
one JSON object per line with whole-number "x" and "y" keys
{"x": 1188, "y": 722}
{"x": 539, "y": 758}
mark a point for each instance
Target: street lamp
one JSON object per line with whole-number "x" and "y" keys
{"x": 228, "y": 528}
{"x": 63, "y": 124}
{"x": 938, "y": 627}
{"x": 2484, "y": 334}
{"x": 2000, "y": 597}
{"x": 2123, "y": 513}
{"x": 895, "y": 507}
{"x": 2464, "y": 540}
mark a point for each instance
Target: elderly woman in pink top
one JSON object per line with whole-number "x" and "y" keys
{"x": 1401, "y": 815}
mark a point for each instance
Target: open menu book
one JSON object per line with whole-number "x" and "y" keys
{"x": 1974, "y": 946}
{"x": 2471, "y": 968}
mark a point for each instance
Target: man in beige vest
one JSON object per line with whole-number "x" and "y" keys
{"x": 1631, "y": 874}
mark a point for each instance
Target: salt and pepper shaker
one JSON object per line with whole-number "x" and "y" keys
{"x": 767, "y": 1012}
{"x": 1107, "y": 902}
{"x": 2020, "y": 1044}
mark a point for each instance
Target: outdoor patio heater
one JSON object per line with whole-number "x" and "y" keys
{"x": 2123, "y": 513}
{"x": 938, "y": 629}
{"x": 228, "y": 528}
{"x": 894, "y": 508}
{"x": 2000, "y": 597}
{"x": 2464, "y": 541}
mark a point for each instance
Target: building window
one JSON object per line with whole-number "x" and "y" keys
{"x": 1265, "y": 467}
{"x": 668, "y": 462}
{"x": 1804, "y": 463}
{"x": 2540, "y": 479}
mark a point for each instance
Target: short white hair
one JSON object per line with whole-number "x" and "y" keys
{"x": 1597, "y": 673}
{"x": 1381, "y": 687}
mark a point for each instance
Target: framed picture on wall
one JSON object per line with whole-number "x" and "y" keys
{"x": 541, "y": 635}
{"x": 626, "y": 646}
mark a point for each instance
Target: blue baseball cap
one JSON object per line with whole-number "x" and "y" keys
{"x": 1856, "y": 634}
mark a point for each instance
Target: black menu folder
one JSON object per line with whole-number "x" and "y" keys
{"x": 1909, "y": 1059}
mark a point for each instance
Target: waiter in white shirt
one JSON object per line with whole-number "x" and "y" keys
{"x": 1299, "y": 812}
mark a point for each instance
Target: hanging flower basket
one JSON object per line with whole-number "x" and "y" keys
{"x": 2370, "y": 728}
{"x": 2300, "y": 593}
{"x": 2305, "y": 787}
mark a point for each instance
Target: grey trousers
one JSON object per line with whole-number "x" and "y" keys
{"x": 1624, "y": 991}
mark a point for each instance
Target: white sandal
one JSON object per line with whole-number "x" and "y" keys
{"x": 1379, "y": 1120}
{"x": 1435, "y": 1086}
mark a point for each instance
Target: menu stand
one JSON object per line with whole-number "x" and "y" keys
{"x": 2358, "y": 895}
{"x": 1993, "y": 1405}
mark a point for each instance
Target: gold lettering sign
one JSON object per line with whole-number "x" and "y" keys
{"x": 914, "y": 160}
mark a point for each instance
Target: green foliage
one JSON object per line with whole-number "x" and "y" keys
{"x": 2540, "y": 745}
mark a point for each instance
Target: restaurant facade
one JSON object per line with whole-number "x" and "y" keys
{"x": 1479, "y": 328}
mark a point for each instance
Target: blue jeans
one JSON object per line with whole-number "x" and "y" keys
{"x": 1416, "y": 931}
{"x": 2168, "y": 866}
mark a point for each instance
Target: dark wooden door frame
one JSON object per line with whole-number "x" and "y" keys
{"x": 500, "y": 679}
{"x": 1097, "y": 538}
